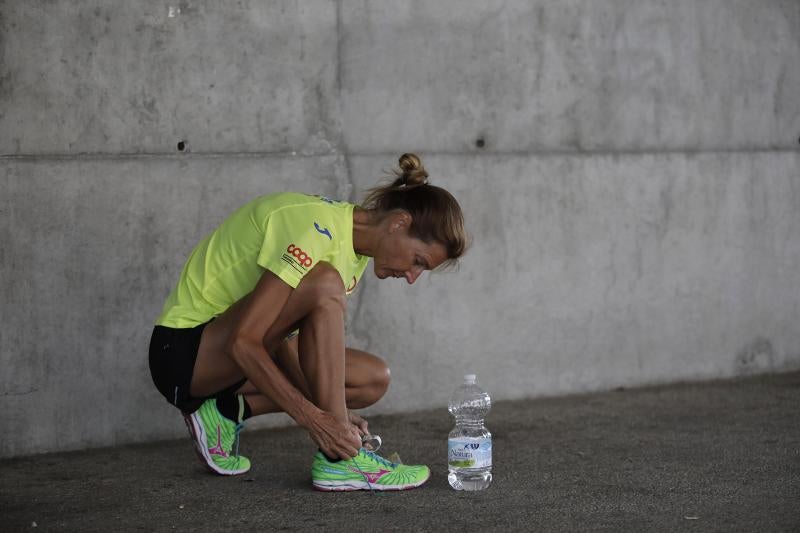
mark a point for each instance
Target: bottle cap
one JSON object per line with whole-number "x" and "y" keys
{"x": 469, "y": 378}
{"x": 371, "y": 443}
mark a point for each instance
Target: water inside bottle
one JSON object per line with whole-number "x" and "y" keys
{"x": 469, "y": 443}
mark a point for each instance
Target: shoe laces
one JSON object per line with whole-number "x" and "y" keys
{"x": 380, "y": 460}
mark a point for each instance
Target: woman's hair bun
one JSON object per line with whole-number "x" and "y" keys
{"x": 411, "y": 170}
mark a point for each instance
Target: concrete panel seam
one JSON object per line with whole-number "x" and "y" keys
{"x": 306, "y": 155}
{"x": 587, "y": 153}
{"x": 164, "y": 156}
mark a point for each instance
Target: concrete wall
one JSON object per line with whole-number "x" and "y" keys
{"x": 635, "y": 203}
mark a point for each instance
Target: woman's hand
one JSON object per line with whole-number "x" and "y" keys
{"x": 358, "y": 422}
{"x": 334, "y": 437}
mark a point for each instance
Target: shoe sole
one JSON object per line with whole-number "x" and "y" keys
{"x": 198, "y": 435}
{"x": 349, "y": 486}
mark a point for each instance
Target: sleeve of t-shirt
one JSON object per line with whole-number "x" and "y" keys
{"x": 291, "y": 245}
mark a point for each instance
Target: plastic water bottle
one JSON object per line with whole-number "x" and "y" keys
{"x": 469, "y": 445}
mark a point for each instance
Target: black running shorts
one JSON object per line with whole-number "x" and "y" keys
{"x": 173, "y": 352}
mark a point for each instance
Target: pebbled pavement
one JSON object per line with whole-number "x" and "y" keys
{"x": 714, "y": 456}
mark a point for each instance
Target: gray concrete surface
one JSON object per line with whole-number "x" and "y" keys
{"x": 570, "y": 75}
{"x": 634, "y": 204}
{"x": 715, "y": 456}
{"x": 610, "y": 279}
{"x": 603, "y": 271}
{"x": 378, "y": 76}
{"x": 136, "y": 77}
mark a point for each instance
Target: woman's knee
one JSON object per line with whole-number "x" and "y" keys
{"x": 374, "y": 380}
{"x": 377, "y": 389}
{"x": 382, "y": 377}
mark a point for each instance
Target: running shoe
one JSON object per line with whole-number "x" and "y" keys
{"x": 365, "y": 471}
{"x": 214, "y": 438}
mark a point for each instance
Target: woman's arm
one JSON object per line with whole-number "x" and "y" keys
{"x": 266, "y": 317}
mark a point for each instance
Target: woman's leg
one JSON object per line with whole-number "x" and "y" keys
{"x": 367, "y": 378}
{"x": 317, "y": 307}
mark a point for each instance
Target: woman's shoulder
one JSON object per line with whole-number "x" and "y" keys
{"x": 299, "y": 199}
{"x": 300, "y": 206}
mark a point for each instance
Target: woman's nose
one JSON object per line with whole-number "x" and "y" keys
{"x": 413, "y": 274}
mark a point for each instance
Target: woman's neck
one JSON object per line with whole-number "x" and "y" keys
{"x": 365, "y": 232}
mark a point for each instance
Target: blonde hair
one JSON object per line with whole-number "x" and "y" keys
{"x": 436, "y": 215}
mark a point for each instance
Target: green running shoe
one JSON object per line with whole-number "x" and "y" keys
{"x": 214, "y": 437}
{"x": 365, "y": 471}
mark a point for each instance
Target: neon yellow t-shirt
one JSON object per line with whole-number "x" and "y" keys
{"x": 286, "y": 233}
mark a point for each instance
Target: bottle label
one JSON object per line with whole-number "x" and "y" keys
{"x": 469, "y": 453}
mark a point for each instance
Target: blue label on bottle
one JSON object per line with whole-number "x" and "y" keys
{"x": 469, "y": 453}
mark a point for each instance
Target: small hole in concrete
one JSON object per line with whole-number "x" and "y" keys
{"x": 480, "y": 143}
{"x": 181, "y": 146}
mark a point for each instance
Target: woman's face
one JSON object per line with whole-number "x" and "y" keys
{"x": 399, "y": 255}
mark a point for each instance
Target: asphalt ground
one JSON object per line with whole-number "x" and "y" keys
{"x": 714, "y": 456}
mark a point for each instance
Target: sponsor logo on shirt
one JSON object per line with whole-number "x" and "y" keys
{"x": 296, "y": 257}
{"x": 324, "y": 231}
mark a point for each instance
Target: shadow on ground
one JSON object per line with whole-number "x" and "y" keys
{"x": 712, "y": 456}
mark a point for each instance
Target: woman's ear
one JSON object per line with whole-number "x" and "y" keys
{"x": 399, "y": 220}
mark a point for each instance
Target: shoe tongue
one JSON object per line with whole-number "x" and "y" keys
{"x": 374, "y": 456}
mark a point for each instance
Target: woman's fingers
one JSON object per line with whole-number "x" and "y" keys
{"x": 359, "y": 422}
{"x": 353, "y": 442}
{"x": 334, "y": 437}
